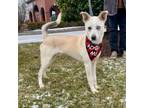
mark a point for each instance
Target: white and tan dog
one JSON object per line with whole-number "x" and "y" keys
{"x": 75, "y": 46}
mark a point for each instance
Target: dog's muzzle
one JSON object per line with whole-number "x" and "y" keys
{"x": 93, "y": 38}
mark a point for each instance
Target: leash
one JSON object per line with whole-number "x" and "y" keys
{"x": 92, "y": 49}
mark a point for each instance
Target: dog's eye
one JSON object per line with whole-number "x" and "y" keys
{"x": 98, "y": 27}
{"x": 89, "y": 28}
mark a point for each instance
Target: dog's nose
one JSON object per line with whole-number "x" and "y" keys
{"x": 93, "y": 37}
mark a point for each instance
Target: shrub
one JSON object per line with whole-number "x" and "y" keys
{"x": 34, "y": 25}
{"x": 70, "y": 24}
{"x": 37, "y": 25}
{"x": 71, "y": 8}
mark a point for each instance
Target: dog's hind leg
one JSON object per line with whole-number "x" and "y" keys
{"x": 46, "y": 56}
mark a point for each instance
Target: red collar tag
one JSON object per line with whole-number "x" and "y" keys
{"x": 92, "y": 50}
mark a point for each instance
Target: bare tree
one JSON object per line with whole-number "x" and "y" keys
{"x": 90, "y": 7}
{"x": 21, "y": 13}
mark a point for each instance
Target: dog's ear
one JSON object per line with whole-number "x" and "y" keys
{"x": 85, "y": 16}
{"x": 103, "y": 15}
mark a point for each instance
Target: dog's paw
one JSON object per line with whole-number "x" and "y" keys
{"x": 97, "y": 87}
{"x": 94, "y": 91}
{"x": 41, "y": 86}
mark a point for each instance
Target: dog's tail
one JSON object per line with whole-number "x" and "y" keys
{"x": 50, "y": 24}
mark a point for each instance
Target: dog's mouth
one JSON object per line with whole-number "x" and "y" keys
{"x": 94, "y": 42}
{"x": 94, "y": 39}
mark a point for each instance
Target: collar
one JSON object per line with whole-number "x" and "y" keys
{"x": 92, "y": 49}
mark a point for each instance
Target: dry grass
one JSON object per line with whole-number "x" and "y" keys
{"x": 66, "y": 85}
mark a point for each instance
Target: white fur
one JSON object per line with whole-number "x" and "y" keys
{"x": 73, "y": 46}
{"x": 93, "y": 22}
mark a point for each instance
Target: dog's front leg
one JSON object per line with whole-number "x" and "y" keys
{"x": 93, "y": 67}
{"x": 90, "y": 78}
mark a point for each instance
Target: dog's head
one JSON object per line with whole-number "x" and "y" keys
{"x": 95, "y": 26}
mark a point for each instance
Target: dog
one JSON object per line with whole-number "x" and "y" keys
{"x": 86, "y": 48}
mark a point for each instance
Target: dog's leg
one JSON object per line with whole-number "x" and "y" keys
{"x": 88, "y": 68}
{"x": 94, "y": 75}
{"x": 46, "y": 56}
{"x": 42, "y": 70}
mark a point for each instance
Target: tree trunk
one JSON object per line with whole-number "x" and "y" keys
{"x": 90, "y": 8}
